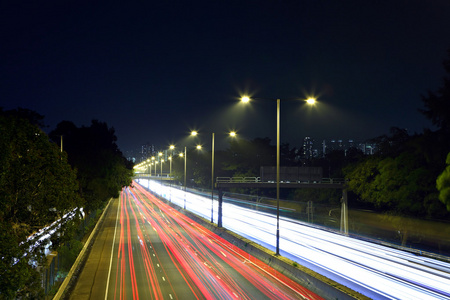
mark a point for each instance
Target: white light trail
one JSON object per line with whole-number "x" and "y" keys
{"x": 371, "y": 269}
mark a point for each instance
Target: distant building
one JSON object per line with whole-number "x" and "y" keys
{"x": 327, "y": 146}
{"x": 308, "y": 148}
{"x": 130, "y": 155}
{"x": 367, "y": 148}
{"x": 147, "y": 151}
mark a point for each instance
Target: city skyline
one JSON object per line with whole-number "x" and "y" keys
{"x": 319, "y": 148}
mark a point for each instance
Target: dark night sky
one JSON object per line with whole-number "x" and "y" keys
{"x": 153, "y": 70}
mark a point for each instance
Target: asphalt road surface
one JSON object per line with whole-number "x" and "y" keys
{"x": 145, "y": 249}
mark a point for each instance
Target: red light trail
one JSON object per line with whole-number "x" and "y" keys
{"x": 162, "y": 254}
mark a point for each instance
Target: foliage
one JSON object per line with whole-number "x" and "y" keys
{"x": 443, "y": 184}
{"x": 246, "y": 157}
{"x": 398, "y": 179}
{"x": 37, "y": 187}
{"x": 437, "y": 104}
{"x": 102, "y": 169}
{"x": 326, "y": 196}
{"x": 334, "y": 161}
{"x": 69, "y": 253}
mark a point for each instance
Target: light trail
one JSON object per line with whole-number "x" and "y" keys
{"x": 154, "y": 240}
{"x": 373, "y": 270}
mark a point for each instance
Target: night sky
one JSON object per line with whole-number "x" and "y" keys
{"x": 154, "y": 70}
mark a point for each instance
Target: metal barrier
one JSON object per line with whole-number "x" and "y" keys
{"x": 237, "y": 179}
{"x": 258, "y": 179}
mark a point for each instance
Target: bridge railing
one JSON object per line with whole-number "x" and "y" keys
{"x": 258, "y": 179}
{"x": 237, "y": 179}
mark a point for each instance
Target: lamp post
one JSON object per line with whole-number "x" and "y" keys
{"x": 198, "y": 147}
{"x": 232, "y": 134}
{"x": 310, "y": 101}
{"x": 185, "y": 154}
{"x": 154, "y": 162}
{"x": 184, "y": 177}
{"x": 212, "y": 178}
{"x": 161, "y": 160}
{"x": 172, "y": 147}
{"x": 195, "y": 133}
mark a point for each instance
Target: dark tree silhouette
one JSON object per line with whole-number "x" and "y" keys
{"x": 102, "y": 169}
{"x": 37, "y": 187}
{"x": 437, "y": 104}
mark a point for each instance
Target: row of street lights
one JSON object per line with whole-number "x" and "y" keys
{"x": 184, "y": 155}
{"x": 244, "y": 99}
{"x": 198, "y": 147}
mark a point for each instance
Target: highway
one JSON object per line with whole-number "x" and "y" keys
{"x": 374, "y": 270}
{"x": 149, "y": 250}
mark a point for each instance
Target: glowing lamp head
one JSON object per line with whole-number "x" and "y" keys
{"x": 199, "y": 147}
{"x": 233, "y": 133}
{"x": 194, "y": 133}
{"x": 245, "y": 99}
{"x": 311, "y": 101}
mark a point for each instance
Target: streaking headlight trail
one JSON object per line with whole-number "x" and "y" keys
{"x": 374, "y": 270}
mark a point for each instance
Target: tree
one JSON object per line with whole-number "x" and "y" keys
{"x": 37, "y": 187}
{"x": 437, "y": 104}
{"x": 246, "y": 157}
{"x": 443, "y": 184}
{"x": 401, "y": 183}
{"x": 102, "y": 168}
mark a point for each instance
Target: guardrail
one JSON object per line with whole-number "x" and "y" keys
{"x": 237, "y": 179}
{"x": 258, "y": 180}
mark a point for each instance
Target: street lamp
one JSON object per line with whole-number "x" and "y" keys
{"x": 153, "y": 162}
{"x": 310, "y": 101}
{"x": 172, "y": 147}
{"x": 184, "y": 156}
{"x": 231, "y": 134}
{"x": 162, "y": 160}
{"x": 198, "y": 147}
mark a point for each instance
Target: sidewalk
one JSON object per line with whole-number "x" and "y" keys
{"x": 96, "y": 267}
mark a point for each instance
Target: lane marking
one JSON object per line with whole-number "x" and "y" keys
{"x": 112, "y": 251}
